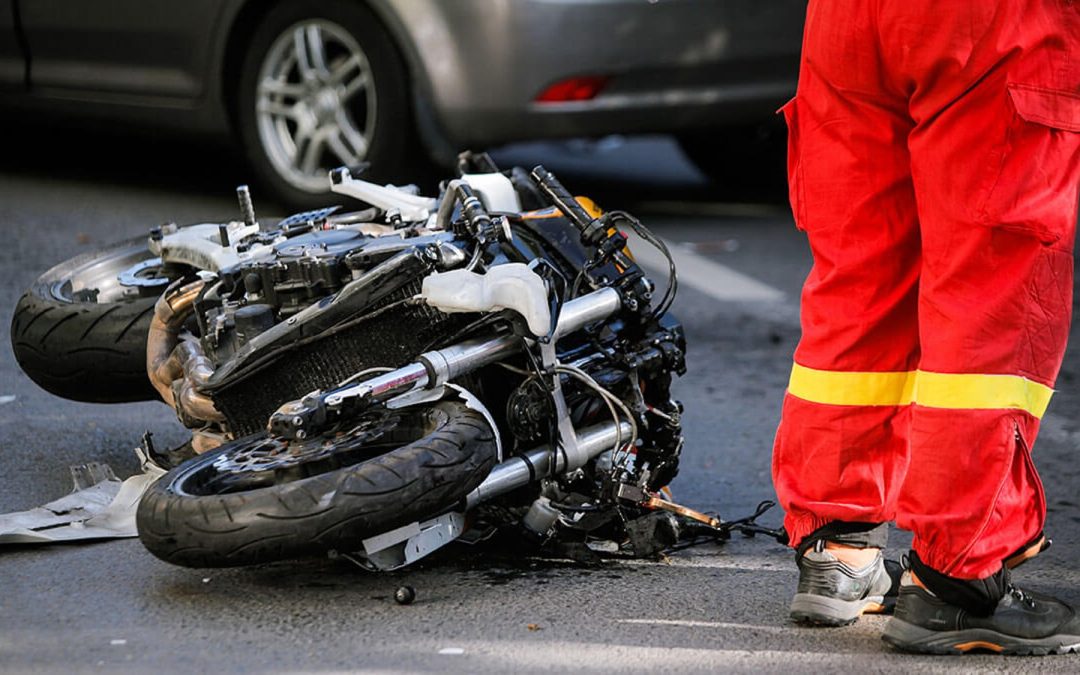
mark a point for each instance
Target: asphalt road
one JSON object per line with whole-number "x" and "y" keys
{"x": 111, "y": 607}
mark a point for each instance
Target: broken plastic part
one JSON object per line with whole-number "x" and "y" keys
{"x": 101, "y": 507}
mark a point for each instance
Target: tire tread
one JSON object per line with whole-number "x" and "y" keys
{"x": 236, "y": 529}
{"x": 83, "y": 351}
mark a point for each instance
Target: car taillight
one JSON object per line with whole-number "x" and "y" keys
{"x": 581, "y": 88}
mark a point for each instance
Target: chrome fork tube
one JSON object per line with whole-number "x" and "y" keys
{"x": 536, "y": 463}
{"x": 440, "y": 366}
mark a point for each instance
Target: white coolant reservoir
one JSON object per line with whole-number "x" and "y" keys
{"x": 495, "y": 191}
{"x": 512, "y": 286}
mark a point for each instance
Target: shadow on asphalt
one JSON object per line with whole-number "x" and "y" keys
{"x": 622, "y": 172}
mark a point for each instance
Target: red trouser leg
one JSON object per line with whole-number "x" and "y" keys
{"x": 995, "y": 174}
{"x": 996, "y": 169}
{"x": 851, "y": 191}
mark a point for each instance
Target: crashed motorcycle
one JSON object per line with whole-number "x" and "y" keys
{"x": 376, "y": 383}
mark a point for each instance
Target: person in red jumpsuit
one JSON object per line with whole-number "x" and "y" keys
{"x": 934, "y": 164}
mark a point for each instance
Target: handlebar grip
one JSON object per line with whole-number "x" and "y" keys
{"x": 561, "y": 197}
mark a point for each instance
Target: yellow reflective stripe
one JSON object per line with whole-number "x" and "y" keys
{"x": 981, "y": 392}
{"x": 834, "y": 387}
{"x": 933, "y": 390}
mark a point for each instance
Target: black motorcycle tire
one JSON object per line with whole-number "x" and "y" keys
{"x": 332, "y": 511}
{"x": 82, "y": 350}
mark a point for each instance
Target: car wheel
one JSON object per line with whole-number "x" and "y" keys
{"x": 322, "y": 85}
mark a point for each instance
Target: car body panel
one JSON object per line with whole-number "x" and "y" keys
{"x": 476, "y": 65}
{"x": 671, "y": 63}
{"x": 90, "y": 47}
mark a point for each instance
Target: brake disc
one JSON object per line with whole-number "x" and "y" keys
{"x": 263, "y": 460}
{"x": 270, "y": 453}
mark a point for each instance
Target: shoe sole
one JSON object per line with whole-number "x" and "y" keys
{"x": 911, "y": 638}
{"x": 819, "y": 610}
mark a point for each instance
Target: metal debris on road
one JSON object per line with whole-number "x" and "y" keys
{"x": 100, "y": 507}
{"x": 405, "y": 595}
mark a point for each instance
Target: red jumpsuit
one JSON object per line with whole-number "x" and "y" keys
{"x": 934, "y": 161}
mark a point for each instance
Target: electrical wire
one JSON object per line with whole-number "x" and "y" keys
{"x": 612, "y": 399}
{"x": 658, "y": 244}
{"x": 603, "y": 397}
{"x": 367, "y": 371}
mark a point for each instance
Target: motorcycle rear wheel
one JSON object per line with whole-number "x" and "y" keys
{"x": 260, "y": 499}
{"x": 80, "y": 330}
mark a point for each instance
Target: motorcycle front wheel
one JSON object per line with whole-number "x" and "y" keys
{"x": 261, "y": 499}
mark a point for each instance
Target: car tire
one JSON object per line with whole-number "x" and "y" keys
{"x": 277, "y": 104}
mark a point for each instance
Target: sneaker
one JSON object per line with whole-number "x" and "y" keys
{"x": 832, "y": 593}
{"x": 1022, "y": 623}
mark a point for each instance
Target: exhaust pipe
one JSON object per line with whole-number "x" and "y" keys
{"x": 177, "y": 369}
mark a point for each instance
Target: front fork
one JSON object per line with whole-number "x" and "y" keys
{"x": 301, "y": 418}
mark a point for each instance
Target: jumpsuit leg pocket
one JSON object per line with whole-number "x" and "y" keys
{"x": 1035, "y": 171}
{"x": 794, "y": 164}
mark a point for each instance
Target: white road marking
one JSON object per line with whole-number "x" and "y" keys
{"x": 705, "y": 624}
{"x": 452, "y": 651}
{"x": 754, "y": 563}
{"x": 515, "y": 655}
{"x": 7, "y": 398}
{"x": 698, "y": 272}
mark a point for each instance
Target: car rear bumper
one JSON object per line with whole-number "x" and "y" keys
{"x": 669, "y": 65}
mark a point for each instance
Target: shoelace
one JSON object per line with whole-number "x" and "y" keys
{"x": 1020, "y": 596}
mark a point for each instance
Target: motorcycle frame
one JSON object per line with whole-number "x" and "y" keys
{"x": 407, "y": 544}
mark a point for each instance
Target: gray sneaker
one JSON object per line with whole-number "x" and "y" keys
{"x": 832, "y": 593}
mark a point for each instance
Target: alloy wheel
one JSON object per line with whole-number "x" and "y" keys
{"x": 315, "y": 103}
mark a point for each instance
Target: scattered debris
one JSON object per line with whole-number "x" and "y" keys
{"x": 405, "y": 595}
{"x": 100, "y": 507}
{"x": 534, "y": 627}
{"x": 206, "y": 580}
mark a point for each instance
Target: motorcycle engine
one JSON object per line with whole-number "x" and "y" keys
{"x": 257, "y": 295}
{"x": 272, "y": 288}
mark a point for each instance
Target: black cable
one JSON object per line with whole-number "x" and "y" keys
{"x": 658, "y": 244}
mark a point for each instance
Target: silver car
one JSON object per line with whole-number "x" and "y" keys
{"x": 306, "y": 86}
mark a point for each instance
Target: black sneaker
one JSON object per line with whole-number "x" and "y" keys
{"x": 1022, "y": 623}
{"x": 832, "y": 593}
